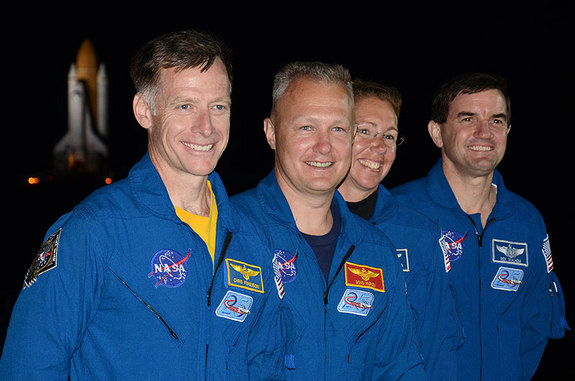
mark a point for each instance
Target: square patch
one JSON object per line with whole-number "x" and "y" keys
{"x": 507, "y": 279}
{"x": 355, "y": 302}
{"x": 235, "y": 306}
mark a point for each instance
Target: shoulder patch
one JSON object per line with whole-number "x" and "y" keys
{"x": 46, "y": 259}
{"x": 547, "y": 254}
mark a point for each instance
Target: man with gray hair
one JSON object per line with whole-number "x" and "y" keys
{"x": 156, "y": 276}
{"x": 346, "y": 309}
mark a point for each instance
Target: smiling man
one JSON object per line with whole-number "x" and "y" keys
{"x": 339, "y": 277}
{"x": 156, "y": 276}
{"x": 508, "y": 298}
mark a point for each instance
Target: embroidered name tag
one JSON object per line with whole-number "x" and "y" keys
{"x": 355, "y": 302}
{"x": 364, "y": 276}
{"x": 243, "y": 275}
{"x": 511, "y": 253}
{"x": 507, "y": 279}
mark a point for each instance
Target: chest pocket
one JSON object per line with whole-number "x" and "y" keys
{"x": 353, "y": 311}
{"x": 157, "y": 307}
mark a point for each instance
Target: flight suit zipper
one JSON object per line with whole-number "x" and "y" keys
{"x": 346, "y": 256}
{"x": 227, "y": 241}
{"x": 480, "y": 245}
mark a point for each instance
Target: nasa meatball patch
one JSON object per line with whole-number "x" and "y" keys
{"x": 46, "y": 259}
{"x": 169, "y": 268}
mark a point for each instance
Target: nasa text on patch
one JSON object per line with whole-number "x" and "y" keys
{"x": 453, "y": 245}
{"x": 364, "y": 276}
{"x": 46, "y": 259}
{"x": 244, "y": 275}
{"x": 286, "y": 264}
{"x": 511, "y": 253}
{"x": 169, "y": 268}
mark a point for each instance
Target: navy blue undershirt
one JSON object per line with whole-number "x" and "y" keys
{"x": 324, "y": 245}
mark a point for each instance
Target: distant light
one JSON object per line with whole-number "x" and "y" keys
{"x": 33, "y": 180}
{"x": 108, "y": 181}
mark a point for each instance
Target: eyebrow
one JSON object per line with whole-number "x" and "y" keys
{"x": 501, "y": 115}
{"x": 467, "y": 113}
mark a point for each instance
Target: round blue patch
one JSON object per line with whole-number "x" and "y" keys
{"x": 286, "y": 264}
{"x": 169, "y": 268}
{"x": 454, "y": 244}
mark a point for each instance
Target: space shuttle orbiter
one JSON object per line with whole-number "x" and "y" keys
{"x": 82, "y": 148}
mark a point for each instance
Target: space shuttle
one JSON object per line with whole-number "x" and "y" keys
{"x": 82, "y": 149}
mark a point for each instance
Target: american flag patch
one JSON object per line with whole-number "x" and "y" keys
{"x": 278, "y": 280}
{"x": 547, "y": 254}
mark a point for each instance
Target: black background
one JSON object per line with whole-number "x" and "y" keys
{"x": 410, "y": 46}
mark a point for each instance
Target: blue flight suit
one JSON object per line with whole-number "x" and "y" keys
{"x": 122, "y": 289}
{"x": 416, "y": 239}
{"x": 508, "y": 299}
{"x": 356, "y": 326}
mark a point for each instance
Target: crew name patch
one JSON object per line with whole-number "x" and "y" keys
{"x": 507, "y": 279}
{"x": 364, "y": 276}
{"x": 403, "y": 259}
{"x": 452, "y": 244}
{"x": 511, "y": 253}
{"x": 235, "y": 306}
{"x": 169, "y": 268}
{"x": 243, "y": 275}
{"x": 46, "y": 259}
{"x": 355, "y": 302}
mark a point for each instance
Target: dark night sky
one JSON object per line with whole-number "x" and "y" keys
{"x": 410, "y": 47}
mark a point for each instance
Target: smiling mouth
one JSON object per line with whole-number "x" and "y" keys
{"x": 319, "y": 164}
{"x": 480, "y": 148}
{"x": 198, "y": 147}
{"x": 370, "y": 164}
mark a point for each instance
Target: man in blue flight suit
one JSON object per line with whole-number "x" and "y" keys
{"x": 507, "y": 296}
{"x": 156, "y": 276}
{"x": 338, "y": 276}
{"x": 414, "y": 236}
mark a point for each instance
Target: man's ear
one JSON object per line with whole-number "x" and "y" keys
{"x": 142, "y": 111}
{"x": 435, "y": 133}
{"x": 270, "y": 131}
